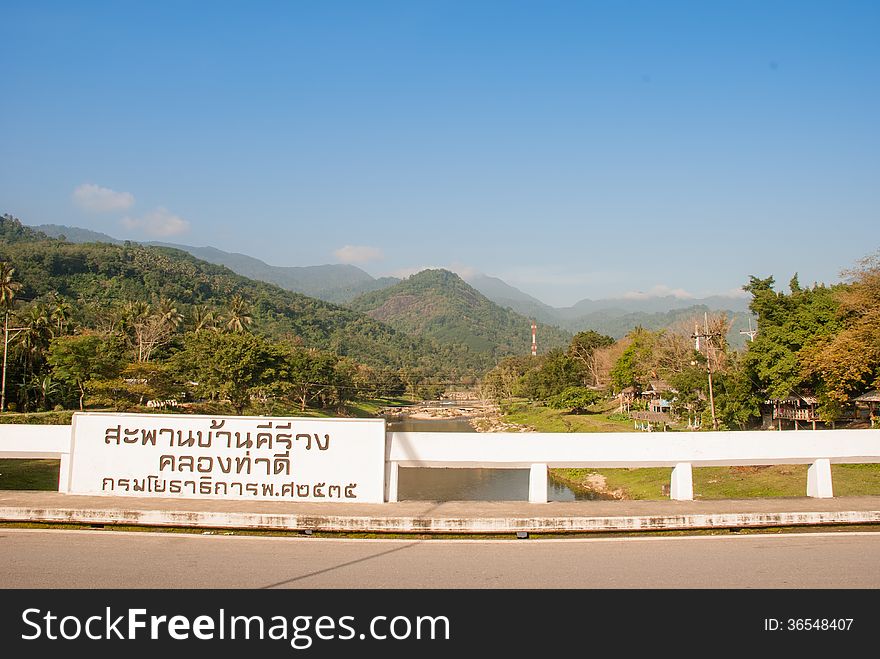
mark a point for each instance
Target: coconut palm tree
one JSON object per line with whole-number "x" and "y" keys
{"x": 35, "y": 334}
{"x": 167, "y": 311}
{"x": 8, "y": 289}
{"x": 8, "y": 286}
{"x": 237, "y": 316}
{"x": 61, "y": 313}
{"x": 203, "y": 318}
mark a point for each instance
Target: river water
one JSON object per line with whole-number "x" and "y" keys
{"x": 439, "y": 484}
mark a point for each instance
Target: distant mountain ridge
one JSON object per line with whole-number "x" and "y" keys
{"x": 335, "y": 283}
{"x": 341, "y": 283}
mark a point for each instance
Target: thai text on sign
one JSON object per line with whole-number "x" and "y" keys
{"x": 278, "y": 458}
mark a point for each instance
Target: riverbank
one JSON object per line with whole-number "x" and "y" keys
{"x": 483, "y": 416}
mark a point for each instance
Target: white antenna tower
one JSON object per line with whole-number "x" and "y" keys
{"x": 749, "y": 332}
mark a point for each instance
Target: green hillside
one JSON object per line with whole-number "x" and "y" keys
{"x": 96, "y": 276}
{"x": 438, "y": 304}
{"x": 334, "y": 283}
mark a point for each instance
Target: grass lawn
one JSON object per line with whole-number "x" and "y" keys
{"x": 60, "y": 418}
{"x": 546, "y": 419}
{"x": 29, "y": 474}
{"x": 709, "y": 482}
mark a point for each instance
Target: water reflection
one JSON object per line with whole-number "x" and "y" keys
{"x": 439, "y": 484}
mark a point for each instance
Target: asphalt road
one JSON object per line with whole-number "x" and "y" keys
{"x": 107, "y": 559}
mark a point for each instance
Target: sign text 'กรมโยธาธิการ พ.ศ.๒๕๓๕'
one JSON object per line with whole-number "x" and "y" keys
{"x": 292, "y": 459}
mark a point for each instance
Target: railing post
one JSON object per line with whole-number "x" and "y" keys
{"x": 538, "y": 483}
{"x": 681, "y": 487}
{"x": 391, "y": 476}
{"x": 819, "y": 479}
{"x": 64, "y": 473}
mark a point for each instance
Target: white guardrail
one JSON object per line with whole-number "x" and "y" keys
{"x": 540, "y": 451}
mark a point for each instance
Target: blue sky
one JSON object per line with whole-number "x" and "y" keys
{"x": 574, "y": 149}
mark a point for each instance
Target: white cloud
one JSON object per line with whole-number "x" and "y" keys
{"x": 736, "y": 293}
{"x": 660, "y": 290}
{"x": 358, "y": 254}
{"x": 94, "y": 198}
{"x": 159, "y": 223}
{"x": 466, "y": 272}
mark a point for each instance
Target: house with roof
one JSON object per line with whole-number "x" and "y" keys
{"x": 794, "y": 409}
{"x": 868, "y": 406}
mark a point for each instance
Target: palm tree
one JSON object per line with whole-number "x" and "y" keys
{"x": 35, "y": 327}
{"x": 238, "y": 316}
{"x": 8, "y": 288}
{"x": 61, "y": 314}
{"x": 171, "y": 318}
{"x": 203, "y": 318}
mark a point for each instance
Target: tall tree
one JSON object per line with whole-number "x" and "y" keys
{"x": 848, "y": 362}
{"x": 636, "y": 365}
{"x": 584, "y": 347}
{"x": 77, "y": 359}
{"x": 231, "y": 366}
{"x": 786, "y": 325}
{"x": 9, "y": 287}
{"x": 202, "y": 318}
{"x": 238, "y": 316}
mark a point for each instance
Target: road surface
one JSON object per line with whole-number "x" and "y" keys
{"x": 31, "y": 558}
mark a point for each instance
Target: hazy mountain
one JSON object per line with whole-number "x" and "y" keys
{"x": 340, "y": 283}
{"x": 99, "y": 274}
{"x": 439, "y": 305}
{"x": 75, "y": 234}
{"x": 652, "y": 304}
{"x": 331, "y": 283}
{"x": 505, "y": 295}
{"x": 615, "y": 317}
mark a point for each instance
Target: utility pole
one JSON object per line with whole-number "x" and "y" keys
{"x": 6, "y": 330}
{"x": 697, "y": 335}
{"x": 749, "y": 332}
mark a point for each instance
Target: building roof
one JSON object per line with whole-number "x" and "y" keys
{"x": 654, "y": 417}
{"x": 872, "y": 396}
{"x": 795, "y": 399}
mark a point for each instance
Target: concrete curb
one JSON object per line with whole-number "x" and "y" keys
{"x": 427, "y": 524}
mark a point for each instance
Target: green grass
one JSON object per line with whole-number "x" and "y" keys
{"x": 60, "y": 418}
{"x": 547, "y": 419}
{"x": 733, "y": 482}
{"x": 709, "y": 482}
{"x": 29, "y": 474}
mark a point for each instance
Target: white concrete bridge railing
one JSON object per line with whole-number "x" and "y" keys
{"x": 681, "y": 451}
{"x": 540, "y": 451}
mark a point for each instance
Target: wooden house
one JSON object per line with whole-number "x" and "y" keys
{"x": 869, "y": 402}
{"x": 796, "y": 408}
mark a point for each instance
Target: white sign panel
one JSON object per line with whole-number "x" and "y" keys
{"x": 257, "y": 458}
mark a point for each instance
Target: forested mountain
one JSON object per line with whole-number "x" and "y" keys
{"x": 616, "y": 317}
{"x": 95, "y": 277}
{"x": 331, "y": 283}
{"x": 440, "y": 305}
{"x": 339, "y": 283}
